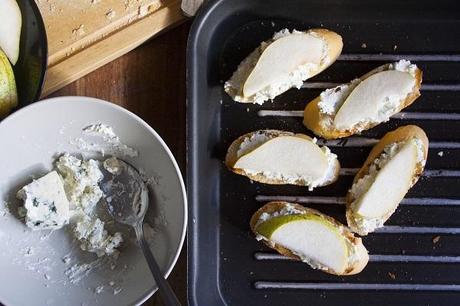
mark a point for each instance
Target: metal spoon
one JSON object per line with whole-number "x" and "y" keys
{"x": 127, "y": 201}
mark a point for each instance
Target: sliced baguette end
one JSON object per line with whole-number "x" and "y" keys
{"x": 362, "y": 253}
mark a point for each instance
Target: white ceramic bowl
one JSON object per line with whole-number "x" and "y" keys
{"x": 32, "y": 269}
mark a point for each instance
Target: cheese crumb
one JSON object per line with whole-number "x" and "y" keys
{"x": 94, "y": 238}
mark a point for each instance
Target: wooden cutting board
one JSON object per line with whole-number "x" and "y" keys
{"x": 86, "y": 34}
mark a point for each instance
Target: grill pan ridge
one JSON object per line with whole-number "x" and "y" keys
{"x": 415, "y": 258}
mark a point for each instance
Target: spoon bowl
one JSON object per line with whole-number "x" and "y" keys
{"x": 127, "y": 201}
{"x": 127, "y": 197}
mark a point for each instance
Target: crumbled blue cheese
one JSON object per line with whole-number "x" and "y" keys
{"x": 81, "y": 179}
{"x": 45, "y": 203}
{"x": 81, "y": 182}
{"x": 94, "y": 238}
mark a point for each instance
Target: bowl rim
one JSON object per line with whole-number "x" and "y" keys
{"x": 43, "y": 38}
{"x": 77, "y": 99}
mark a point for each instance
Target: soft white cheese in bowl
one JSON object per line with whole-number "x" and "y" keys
{"x": 79, "y": 256}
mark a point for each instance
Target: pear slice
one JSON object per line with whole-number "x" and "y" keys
{"x": 8, "y": 93}
{"x": 310, "y": 237}
{"x": 10, "y": 30}
{"x": 306, "y": 234}
{"x": 367, "y": 102}
{"x": 283, "y": 57}
{"x": 390, "y": 185}
{"x": 286, "y": 157}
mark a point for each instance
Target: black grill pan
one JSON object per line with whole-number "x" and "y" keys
{"x": 415, "y": 259}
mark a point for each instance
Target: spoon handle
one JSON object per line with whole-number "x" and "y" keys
{"x": 167, "y": 294}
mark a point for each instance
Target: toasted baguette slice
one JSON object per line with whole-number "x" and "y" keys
{"x": 306, "y": 234}
{"x": 283, "y": 62}
{"x": 392, "y": 168}
{"x": 278, "y": 157}
{"x": 365, "y": 102}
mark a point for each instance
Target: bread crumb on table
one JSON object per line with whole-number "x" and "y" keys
{"x": 392, "y": 275}
{"x": 441, "y": 153}
{"x": 363, "y": 45}
{"x": 436, "y": 239}
{"x": 110, "y": 14}
{"x": 79, "y": 31}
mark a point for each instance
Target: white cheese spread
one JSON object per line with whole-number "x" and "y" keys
{"x": 45, "y": 203}
{"x": 404, "y": 66}
{"x": 253, "y": 142}
{"x": 333, "y": 98}
{"x": 287, "y": 209}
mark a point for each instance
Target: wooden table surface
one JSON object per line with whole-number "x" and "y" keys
{"x": 150, "y": 82}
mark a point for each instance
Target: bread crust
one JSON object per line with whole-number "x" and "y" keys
{"x": 335, "y": 45}
{"x": 313, "y": 116}
{"x": 401, "y": 134}
{"x": 272, "y": 207}
{"x": 231, "y": 158}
